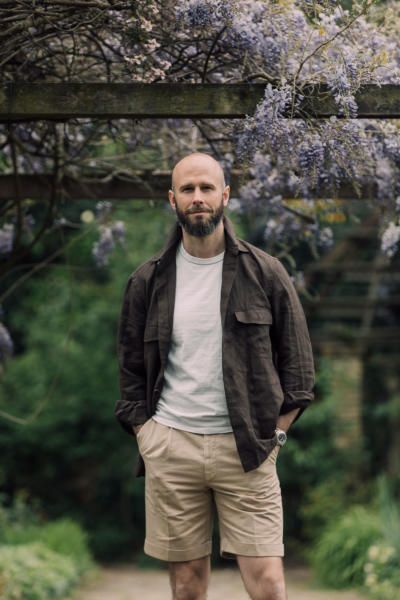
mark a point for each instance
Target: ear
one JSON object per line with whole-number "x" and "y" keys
{"x": 171, "y": 197}
{"x": 225, "y": 195}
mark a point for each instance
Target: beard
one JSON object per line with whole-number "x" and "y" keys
{"x": 200, "y": 226}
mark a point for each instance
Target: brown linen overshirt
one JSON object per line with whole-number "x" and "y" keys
{"x": 267, "y": 360}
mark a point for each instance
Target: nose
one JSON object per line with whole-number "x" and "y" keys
{"x": 197, "y": 197}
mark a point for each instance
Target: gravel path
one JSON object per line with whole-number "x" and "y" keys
{"x": 131, "y": 583}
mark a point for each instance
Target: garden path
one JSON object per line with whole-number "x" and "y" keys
{"x": 132, "y": 583}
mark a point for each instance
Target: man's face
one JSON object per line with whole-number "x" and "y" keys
{"x": 199, "y": 195}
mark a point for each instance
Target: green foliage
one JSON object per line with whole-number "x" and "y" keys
{"x": 362, "y": 547}
{"x": 382, "y": 572}
{"x": 341, "y": 553}
{"x": 382, "y": 568}
{"x": 73, "y": 454}
{"x": 314, "y": 473}
{"x": 39, "y": 560}
{"x": 62, "y": 384}
{"x": 34, "y": 572}
{"x": 18, "y": 515}
{"x": 323, "y": 502}
{"x": 63, "y": 536}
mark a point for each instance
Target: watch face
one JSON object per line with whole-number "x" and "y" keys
{"x": 281, "y": 438}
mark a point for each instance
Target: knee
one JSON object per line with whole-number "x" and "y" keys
{"x": 273, "y": 586}
{"x": 190, "y": 589}
{"x": 190, "y": 586}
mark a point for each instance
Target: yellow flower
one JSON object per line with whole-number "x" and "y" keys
{"x": 87, "y": 216}
{"x": 373, "y": 552}
{"x": 368, "y": 567}
{"x": 370, "y": 580}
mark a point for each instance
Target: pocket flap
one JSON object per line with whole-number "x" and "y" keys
{"x": 259, "y": 316}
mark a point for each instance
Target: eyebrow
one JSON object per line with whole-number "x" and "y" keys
{"x": 202, "y": 183}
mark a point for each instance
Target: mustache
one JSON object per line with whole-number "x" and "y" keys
{"x": 193, "y": 211}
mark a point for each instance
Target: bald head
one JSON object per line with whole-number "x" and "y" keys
{"x": 196, "y": 164}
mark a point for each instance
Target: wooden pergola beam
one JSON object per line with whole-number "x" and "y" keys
{"x": 346, "y": 302}
{"x": 377, "y": 335}
{"x": 351, "y": 267}
{"x": 31, "y": 101}
{"x": 147, "y": 185}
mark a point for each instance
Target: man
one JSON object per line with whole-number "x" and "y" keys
{"x": 215, "y": 364}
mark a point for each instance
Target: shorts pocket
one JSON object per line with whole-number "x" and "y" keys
{"x": 142, "y": 431}
{"x": 154, "y": 440}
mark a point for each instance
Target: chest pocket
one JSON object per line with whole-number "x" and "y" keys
{"x": 254, "y": 316}
{"x": 252, "y": 333}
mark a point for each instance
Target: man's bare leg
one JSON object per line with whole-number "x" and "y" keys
{"x": 190, "y": 579}
{"x": 263, "y": 577}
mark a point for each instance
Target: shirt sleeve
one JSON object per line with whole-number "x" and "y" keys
{"x": 291, "y": 342}
{"x": 130, "y": 409}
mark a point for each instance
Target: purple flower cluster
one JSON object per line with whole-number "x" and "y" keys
{"x": 103, "y": 209}
{"x": 6, "y": 239}
{"x": 311, "y": 159}
{"x": 342, "y": 90}
{"x": 268, "y": 127}
{"x": 287, "y": 44}
{"x": 197, "y": 14}
{"x": 390, "y": 239}
{"x": 6, "y": 343}
{"x": 325, "y": 237}
{"x": 109, "y": 237}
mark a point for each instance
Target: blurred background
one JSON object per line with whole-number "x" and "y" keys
{"x": 83, "y": 202}
{"x": 64, "y": 457}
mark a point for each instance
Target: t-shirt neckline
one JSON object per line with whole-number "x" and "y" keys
{"x": 199, "y": 261}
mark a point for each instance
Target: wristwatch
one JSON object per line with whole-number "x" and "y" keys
{"x": 281, "y": 437}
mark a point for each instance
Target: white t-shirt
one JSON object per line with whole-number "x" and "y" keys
{"x": 193, "y": 395}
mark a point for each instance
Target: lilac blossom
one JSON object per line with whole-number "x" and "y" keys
{"x": 205, "y": 13}
{"x": 6, "y": 343}
{"x": 311, "y": 158}
{"x": 118, "y": 231}
{"x": 286, "y": 45}
{"x": 343, "y": 91}
{"x": 299, "y": 281}
{"x": 103, "y": 209}
{"x": 267, "y": 127}
{"x": 390, "y": 239}
{"x": 6, "y": 239}
{"x": 103, "y": 248}
{"x": 110, "y": 235}
{"x": 325, "y": 237}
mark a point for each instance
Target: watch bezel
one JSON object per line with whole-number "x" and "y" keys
{"x": 281, "y": 437}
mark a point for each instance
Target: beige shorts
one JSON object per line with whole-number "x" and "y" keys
{"x": 187, "y": 474}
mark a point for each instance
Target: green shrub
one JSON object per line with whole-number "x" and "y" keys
{"x": 382, "y": 568}
{"x": 67, "y": 359}
{"x": 39, "y": 560}
{"x": 63, "y": 536}
{"x": 382, "y": 572}
{"x": 20, "y": 524}
{"x": 324, "y": 500}
{"x": 341, "y": 553}
{"x": 19, "y": 514}
{"x": 34, "y": 572}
